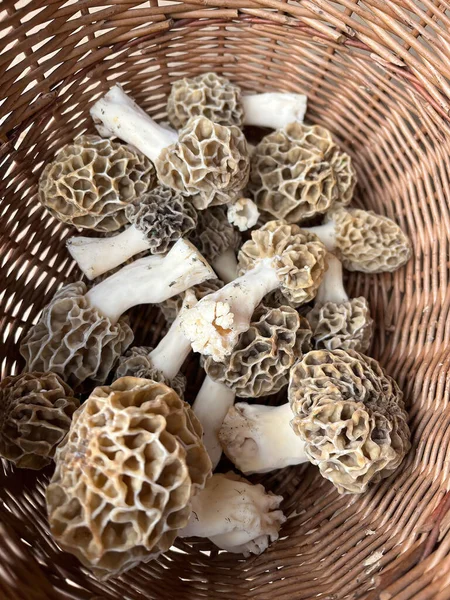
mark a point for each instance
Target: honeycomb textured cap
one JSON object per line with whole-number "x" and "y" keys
{"x": 369, "y": 242}
{"x": 208, "y": 95}
{"x": 210, "y": 162}
{"x": 136, "y": 362}
{"x": 164, "y": 216}
{"x": 35, "y": 414}
{"x": 214, "y": 234}
{"x": 297, "y": 255}
{"x": 92, "y": 180}
{"x": 346, "y": 326}
{"x": 125, "y": 475}
{"x": 172, "y": 306}
{"x": 263, "y": 356}
{"x": 350, "y": 415}
{"x": 74, "y": 340}
{"x": 298, "y": 172}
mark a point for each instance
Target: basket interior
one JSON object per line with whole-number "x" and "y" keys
{"x": 332, "y": 546}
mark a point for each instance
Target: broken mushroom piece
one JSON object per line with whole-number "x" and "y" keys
{"x": 207, "y": 160}
{"x": 35, "y": 414}
{"x": 125, "y": 476}
{"x": 336, "y": 320}
{"x": 79, "y": 335}
{"x": 235, "y": 515}
{"x": 172, "y": 306}
{"x": 157, "y": 220}
{"x": 260, "y": 362}
{"x": 163, "y": 363}
{"x": 218, "y": 241}
{"x": 351, "y": 417}
{"x": 363, "y": 240}
{"x": 221, "y": 101}
{"x": 279, "y": 255}
{"x": 91, "y": 181}
{"x": 259, "y": 438}
{"x": 299, "y": 172}
{"x": 243, "y": 214}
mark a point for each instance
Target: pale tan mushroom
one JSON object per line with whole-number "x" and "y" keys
{"x": 125, "y": 476}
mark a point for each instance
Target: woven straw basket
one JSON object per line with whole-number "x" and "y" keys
{"x": 377, "y": 74}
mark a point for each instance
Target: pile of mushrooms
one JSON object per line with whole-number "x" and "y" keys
{"x": 226, "y": 242}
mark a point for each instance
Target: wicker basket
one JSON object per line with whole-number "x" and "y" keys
{"x": 376, "y": 74}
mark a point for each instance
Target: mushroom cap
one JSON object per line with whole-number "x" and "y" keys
{"x": 350, "y": 415}
{"x": 298, "y": 172}
{"x": 346, "y": 326}
{"x": 297, "y": 255}
{"x": 368, "y": 242}
{"x": 164, "y": 216}
{"x": 214, "y": 234}
{"x": 92, "y": 180}
{"x": 172, "y": 306}
{"x": 137, "y": 363}
{"x": 35, "y": 414}
{"x": 125, "y": 475}
{"x": 74, "y": 340}
{"x": 207, "y": 95}
{"x": 210, "y": 162}
{"x": 260, "y": 362}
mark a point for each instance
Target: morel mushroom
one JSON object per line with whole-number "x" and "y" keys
{"x": 217, "y": 240}
{"x": 91, "y": 181}
{"x": 264, "y": 354}
{"x": 125, "y": 475}
{"x": 172, "y": 306}
{"x": 79, "y": 335}
{"x": 163, "y": 363}
{"x": 278, "y": 256}
{"x": 243, "y": 214}
{"x": 336, "y": 320}
{"x": 350, "y": 415}
{"x": 158, "y": 219}
{"x": 35, "y": 414}
{"x": 299, "y": 172}
{"x": 345, "y": 415}
{"x": 235, "y": 515}
{"x": 215, "y": 97}
{"x": 363, "y": 240}
{"x": 207, "y": 160}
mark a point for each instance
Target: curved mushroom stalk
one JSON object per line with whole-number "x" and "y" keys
{"x": 235, "y": 515}
{"x": 96, "y": 256}
{"x": 116, "y": 114}
{"x": 210, "y": 406}
{"x": 243, "y": 214}
{"x": 144, "y": 282}
{"x": 273, "y": 109}
{"x": 214, "y": 325}
{"x": 226, "y": 265}
{"x": 258, "y": 438}
{"x": 331, "y": 288}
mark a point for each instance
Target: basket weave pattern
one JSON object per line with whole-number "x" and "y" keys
{"x": 377, "y": 75}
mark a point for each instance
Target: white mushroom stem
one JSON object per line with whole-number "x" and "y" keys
{"x": 226, "y": 266}
{"x": 331, "y": 288}
{"x": 214, "y": 325}
{"x": 116, "y": 114}
{"x": 96, "y": 256}
{"x": 259, "y": 438}
{"x": 326, "y": 234}
{"x": 171, "y": 352}
{"x": 211, "y": 405}
{"x": 274, "y": 109}
{"x": 144, "y": 282}
{"x": 235, "y": 515}
{"x": 243, "y": 214}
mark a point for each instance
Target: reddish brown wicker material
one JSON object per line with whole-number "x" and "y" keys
{"x": 377, "y": 74}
